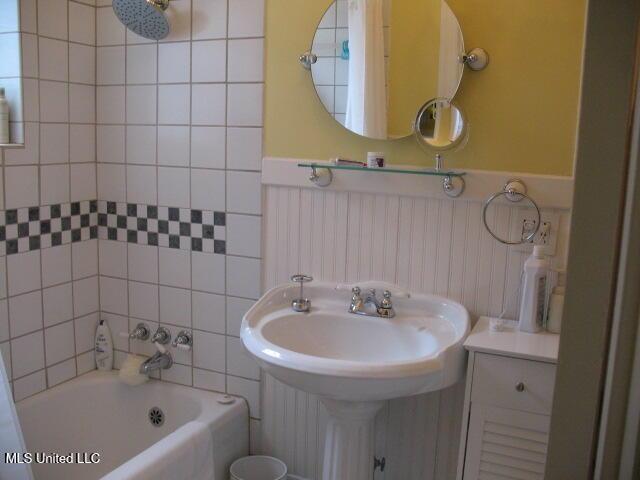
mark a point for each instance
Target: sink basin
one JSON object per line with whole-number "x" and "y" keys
{"x": 355, "y": 362}
{"x": 342, "y": 356}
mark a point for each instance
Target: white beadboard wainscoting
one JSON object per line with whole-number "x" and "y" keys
{"x": 420, "y": 240}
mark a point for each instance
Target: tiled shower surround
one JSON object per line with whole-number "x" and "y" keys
{"x": 162, "y": 142}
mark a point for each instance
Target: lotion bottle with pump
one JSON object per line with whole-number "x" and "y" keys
{"x": 532, "y": 304}
{"x": 104, "y": 347}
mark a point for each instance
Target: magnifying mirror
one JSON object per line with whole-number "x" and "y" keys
{"x": 440, "y": 126}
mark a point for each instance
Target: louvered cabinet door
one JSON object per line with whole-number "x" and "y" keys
{"x": 505, "y": 444}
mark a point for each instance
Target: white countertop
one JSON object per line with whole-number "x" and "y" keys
{"x": 531, "y": 346}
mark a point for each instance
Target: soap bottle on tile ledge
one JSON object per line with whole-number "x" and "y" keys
{"x": 104, "y": 347}
{"x": 532, "y": 304}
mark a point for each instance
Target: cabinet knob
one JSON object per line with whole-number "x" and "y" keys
{"x": 520, "y": 387}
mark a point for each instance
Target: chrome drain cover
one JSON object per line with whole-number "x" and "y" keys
{"x": 156, "y": 416}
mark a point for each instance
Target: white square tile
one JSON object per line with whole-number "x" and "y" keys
{"x": 54, "y": 142}
{"x": 249, "y": 390}
{"x": 244, "y": 104}
{"x": 143, "y": 263}
{"x": 56, "y": 265}
{"x": 117, "y": 324}
{"x": 28, "y": 16}
{"x": 86, "y": 362}
{"x": 209, "y": 380}
{"x": 174, "y": 62}
{"x": 113, "y": 295}
{"x": 27, "y": 354}
{"x": 6, "y": 357}
{"x": 82, "y": 23}
{"x": 82, "y": 147}
{"x": 141, "y": 144}
{"x": 112, "y": 258}
{"x": 173, "y": 187}
{"x": 208, "y": 147}
{"x": 52, "y": 18}
{"x": 110, "y": 65}
{"x": 109, "y": 30}
{"x": 54, "y": 59}
{"x": 3, "y": 277}
{"x": 175, "y": 306}
{"x": 10, "y": 21}
{"x": 4, "y": 320}
{"x": 208, "y": 104}
{"x": 244, "y": 192}
{"x": 83, "y": 182}
{"x": 240, "y": 363}
{"x": 9, "y": 50}
{"x": 208, "y": 312}
{"x": 29, "y": 49}
{"x": 31, "y": 100}
{"x": 141, "y": 184}
{"x": 244, "y": 148}
{"x": 25, "y": 313}
{"x": 59, "y": 342}
{"x": 85, "y": 332}
{"x": 173, "y": 104}
{"x": 209, "y": 62}
{"x": 179, "y": 17}
{"x": 141, "y": 104}
{"x": 84, "y": 257}
{"x": 57, "y": 304}
{"x": 323, "y": 72}
{"x": 31, "y": 152}
{"x": 244, "y": 277}
{"x": 209, "y": 19}
{"x": 23, "y": 272}
{"x": 207, "y": 189}
{"x": 110, "y": 143}
{"x": 143, "y": 301}
{"x": 208, "y": 272}
{"x": 142, "y": 64}
{"x": 209, "y": 351}
{"x": 329, "y": 17}
{"x": 173, "y": 146}
{"x": 21, "y": 186}
{"x": 246, "y": 18}
{"x": 61, "y": 372}
{"x": 110, "y": 103}
{"x": 82, "y": 103}
{"x": 86, "y": 299}
{"x": 243, "y": 235}
{"x": 236, "y": 308}
{"x": 54, "y": 102}
{"x": 175, "y": 267}
{"x": 246, "y": 60}
{"x": 111, "y": 182}
{"x": 29, "y": 385}
{"x": 180, "y": 374}
{"x": 55, "y": 184}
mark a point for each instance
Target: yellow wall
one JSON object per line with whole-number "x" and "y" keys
{"x": 522, "y": 109}
{"x": 414, "y": 51}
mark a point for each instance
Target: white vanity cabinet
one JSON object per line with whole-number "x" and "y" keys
{"x": 507, "y": 407}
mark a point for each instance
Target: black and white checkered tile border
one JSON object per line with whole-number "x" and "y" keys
{"x": 183, "y": 228}
{"x": 32, "y": 228}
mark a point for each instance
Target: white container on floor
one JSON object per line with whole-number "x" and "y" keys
{"x": 258, "y": 467}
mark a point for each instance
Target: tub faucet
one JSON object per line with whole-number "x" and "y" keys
{"x": 161, "y": 360}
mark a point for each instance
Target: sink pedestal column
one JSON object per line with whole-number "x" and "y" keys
{"x": 348, "y": 447}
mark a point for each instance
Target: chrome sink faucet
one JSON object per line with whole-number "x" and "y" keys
{"x": 383, "y": 308}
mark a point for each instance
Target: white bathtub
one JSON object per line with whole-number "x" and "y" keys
{"x": 97, "y": 413}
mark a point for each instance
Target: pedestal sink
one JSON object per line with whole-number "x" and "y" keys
{"x": 354, "y": 363}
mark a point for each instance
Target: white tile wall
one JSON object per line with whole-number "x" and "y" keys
{"x": 38, "y": 314}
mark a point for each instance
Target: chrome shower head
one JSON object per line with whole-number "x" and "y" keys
{"x": 144, "y": 17}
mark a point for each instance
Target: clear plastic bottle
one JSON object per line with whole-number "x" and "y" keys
{"x": 4, "y": 118}
{"x": 532, "y": 305}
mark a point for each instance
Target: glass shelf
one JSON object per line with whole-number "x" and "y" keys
{"x": 411, "y": 171}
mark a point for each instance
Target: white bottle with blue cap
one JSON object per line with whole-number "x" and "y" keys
{"x": 534, "y": 289}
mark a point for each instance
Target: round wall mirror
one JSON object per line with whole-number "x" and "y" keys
{"x": 378, "y": 61}
{"x": 441, "y": 125}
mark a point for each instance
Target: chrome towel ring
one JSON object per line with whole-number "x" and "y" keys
{"x": 514, "y": 191}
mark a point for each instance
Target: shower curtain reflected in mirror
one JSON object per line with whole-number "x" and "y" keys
{"x": 366, "y": 93}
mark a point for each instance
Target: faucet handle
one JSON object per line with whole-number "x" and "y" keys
{"x": 183, "y": 341}
{"x": 386, "y": 299}
{"x": 141, "y": 332}
{"x": 162, "y": 336}
{"x": 301, "y": 278}
{"x": 356, "y": 291}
